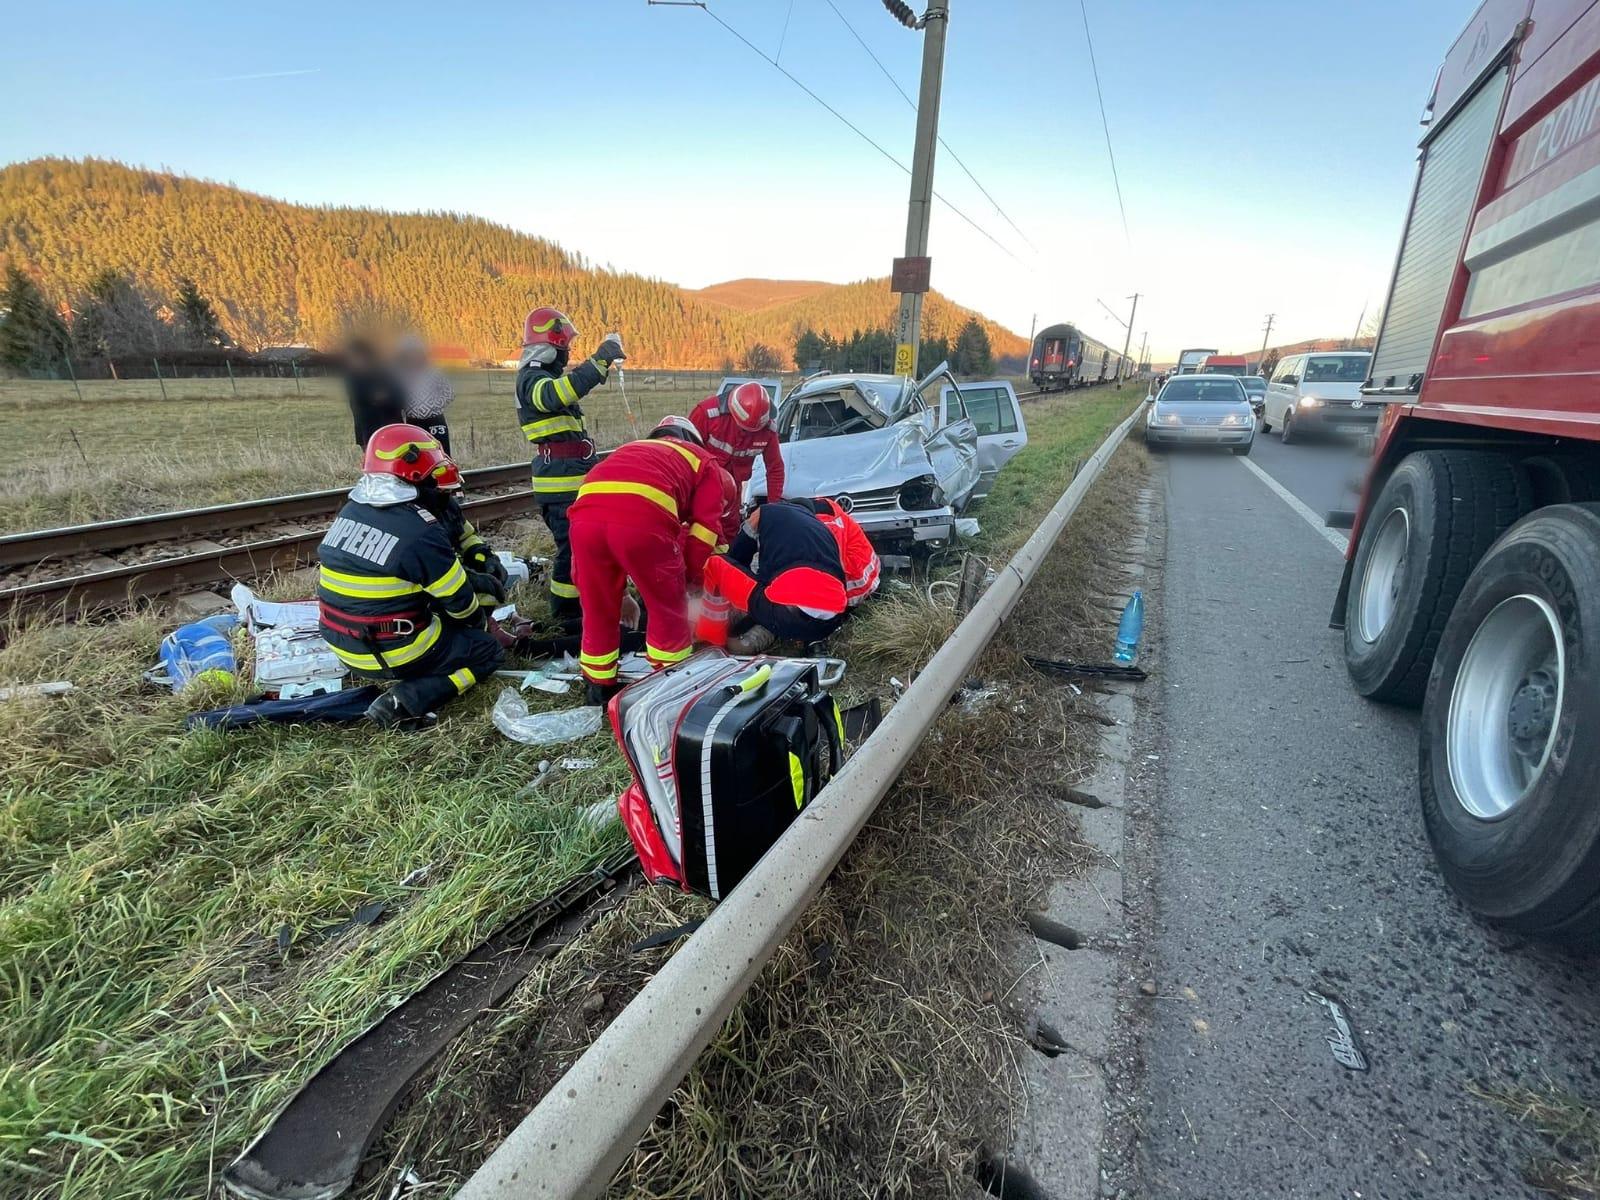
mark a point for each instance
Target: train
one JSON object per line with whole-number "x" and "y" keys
{"x": 1063, "y": 357}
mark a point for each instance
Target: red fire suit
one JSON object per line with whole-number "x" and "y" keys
{"x": 652, "y": 512}
{"x": 737, "y": 448}
{"x": 861, "y": 565}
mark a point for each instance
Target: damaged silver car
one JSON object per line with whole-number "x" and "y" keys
{"x": 876, "y": 444}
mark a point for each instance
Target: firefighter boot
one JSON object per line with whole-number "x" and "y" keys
{"x": 386, "y": 712}
{"x": 754, "y": 640}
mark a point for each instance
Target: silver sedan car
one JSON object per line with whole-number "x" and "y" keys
{"x": 1201, "y": 410}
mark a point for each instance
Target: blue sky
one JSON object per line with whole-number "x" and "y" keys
{"x": 1266, "y": 147}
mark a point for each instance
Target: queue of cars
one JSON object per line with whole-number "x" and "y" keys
{"x": 1312, "y": 394}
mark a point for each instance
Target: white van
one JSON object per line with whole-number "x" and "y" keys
{"x": 1320, "y": 393}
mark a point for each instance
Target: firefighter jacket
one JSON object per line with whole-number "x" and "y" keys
{"x": 791, "y": 560}
{"x": 860, "y": 561}
{"x": 737, "y": 448}
{"x": 660, "y": 483}
{"x": 547, "y": 407}
{"x": 391, "y": 575}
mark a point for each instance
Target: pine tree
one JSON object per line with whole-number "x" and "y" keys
{"x": 973, "y": 355}
{"x": 32, "y": 336}
{"x": 198, "y": 324}
{"x": 761, "y": 359}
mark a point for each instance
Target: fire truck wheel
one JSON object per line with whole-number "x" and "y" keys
{"x": 1509, "y": 764}
{"x": 1563, "y": 478}
{"x": 1435, "y": 517}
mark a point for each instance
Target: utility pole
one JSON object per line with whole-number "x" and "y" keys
{"x": 912, "y": 273}
{"x": 1267, "y": 333}
{"x": 1360, "y": 321}
{"x": 1144, "y": 345}
{"x": 1127, "y": 342}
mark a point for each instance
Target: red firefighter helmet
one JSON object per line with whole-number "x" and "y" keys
{"x": 750, "y": 406}
{"x": 674, "y": 426}
{"x": 410, "y": 453}
{"x": 548, "y": 327}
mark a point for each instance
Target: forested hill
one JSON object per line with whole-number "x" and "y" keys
{"x": 281, "y": 272}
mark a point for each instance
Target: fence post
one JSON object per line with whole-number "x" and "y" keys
{"x": 159, "y": 380}
{"x": 295, "y": 367}
{"x": 74, "y": 376}
{"x": 232, "y": 382}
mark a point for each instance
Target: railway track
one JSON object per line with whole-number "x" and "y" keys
{"x": 83, "y": 568}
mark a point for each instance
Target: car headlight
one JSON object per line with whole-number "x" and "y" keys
{"x": 1308, "y": 402}
{"x": 1171, "y": 418}
{"x": 920, "y": 493}
{"x": 1234, "y": 419}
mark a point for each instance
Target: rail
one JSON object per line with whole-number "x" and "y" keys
{"x": 572, "y": 1142}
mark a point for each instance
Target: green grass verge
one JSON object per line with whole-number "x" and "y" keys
{"x": 149, "y": 1022}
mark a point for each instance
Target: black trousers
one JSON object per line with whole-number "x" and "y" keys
{"x": 462, "y": 657}
{"x": 787, "y": 621}
{"x": 563, "y": 592}
{"x": 440, "y": 431}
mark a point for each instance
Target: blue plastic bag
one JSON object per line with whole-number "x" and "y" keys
{"x": 196, "y": 649}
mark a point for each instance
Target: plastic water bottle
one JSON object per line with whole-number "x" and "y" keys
{"x": 1129, "y": 629}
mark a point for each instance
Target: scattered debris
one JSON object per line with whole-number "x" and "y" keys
{"x": 967, "y": 527}
{"x": 198, "y": 650}
{"x": 974, "y": 695}
{"x": 861, "y": 719}
{"x": 599, "y": 814}
{"x": 1150, "y": 988}
{"x": 368, "y": 914}
{"x": 408, "y": 1182}
{"x": 29, "y": 691}
{"x": 418, "y": 877}
{"x": 1342, "y": 1041}
{"x": 1072, "y": 670}
{"x": 665, "y": 937}
{"x": 512, "y": 718}
{"x": 593, "y": 1003}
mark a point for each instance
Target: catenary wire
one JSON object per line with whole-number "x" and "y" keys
{"x": 1104, "y": 124}
{"x": 946, "y": 145}
{"x": 857, "y": 130}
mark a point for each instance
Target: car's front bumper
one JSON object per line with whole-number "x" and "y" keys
{"x": 900, "y": 525}
{"x": 1339, "y": 420}
{"x": 1199, "y": 435}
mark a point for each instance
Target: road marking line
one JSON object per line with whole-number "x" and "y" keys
{"x": 1335, "y": 539}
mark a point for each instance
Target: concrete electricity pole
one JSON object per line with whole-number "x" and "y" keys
{"x": 912, "y": 272}
{"x": 1144, "y": 345}
{"x": 1267, "y": 333}
{"x": 1127, "y": 342}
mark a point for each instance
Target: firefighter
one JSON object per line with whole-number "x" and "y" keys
{"x": 394, "y": 595}
{"x": 862, "y": 566}
{"x": 737, "y": 427}
{"x": 547, "y": 406}
{"x": 652, "y": 512}
{"x": 785, "y": 571}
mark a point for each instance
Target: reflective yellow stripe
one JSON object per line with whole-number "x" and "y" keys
{"x": 449, "y": 581}
{"x": 598, "y": 660}
{"x": 656, "y": 654}
{"x": 565, "y": 392}
{"x": 797, "y": 779}
{"x": 550, "y": 324}
{"x": 694, "y": 459}
{"x": 698, "y": 530}
{"x": 565, "y": 591}
{"x": 565, "y": 423}
{"x": 617, "y": 488}
{"x": 463, "y": 679}
{"x": 402, "y": 450}
{"x": 466, "y": 610}
{"x": 397, "y": 657}
{"x": 600, "y": 674}
{"x": 557, "y": 483}
{"x": 366, "y": 587}
{"x": 603, "y": 368}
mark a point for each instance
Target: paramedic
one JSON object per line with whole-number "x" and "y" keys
{"x": 651, "y": 512}
{"x": 547, "y": 407}
{"x": 394, "y": 594}
{"x": 862, "y": 566}
{"x": 796, "y": 588}
{"x": 736, "y": 427}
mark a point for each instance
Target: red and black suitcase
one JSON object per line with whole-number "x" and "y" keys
{"x": 726, "y": 753}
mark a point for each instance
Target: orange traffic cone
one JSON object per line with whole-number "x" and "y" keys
{"x": 711, "y": 626}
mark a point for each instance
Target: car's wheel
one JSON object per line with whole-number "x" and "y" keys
{"x": 1266, "y": 426}
{"x": 1284, "y": 429}
{"x": 1509, "y": 764}
{"x": 1437, "y": 514}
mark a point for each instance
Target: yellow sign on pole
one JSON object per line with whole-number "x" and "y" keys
{"x": 903, "y": 359}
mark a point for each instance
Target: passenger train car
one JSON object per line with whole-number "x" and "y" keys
{"x": 1063, "y": 357}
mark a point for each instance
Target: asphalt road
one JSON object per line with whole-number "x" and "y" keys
{"x": 1287, "y": 854}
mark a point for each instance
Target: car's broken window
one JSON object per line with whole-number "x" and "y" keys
{"x": 831, "y": 414}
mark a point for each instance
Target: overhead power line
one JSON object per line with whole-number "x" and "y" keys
{"x": 946, "y": 145}
{"x": 1104, "y": 124}
{"x": 849, "y": 124}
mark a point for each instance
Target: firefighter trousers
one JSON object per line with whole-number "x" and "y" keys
{"x": 606, "y": 554}
{"x": 462, "y": 657}
{"x": 564, "y": 605}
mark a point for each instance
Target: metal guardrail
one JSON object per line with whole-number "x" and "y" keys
{"x": 573, "y": 1141}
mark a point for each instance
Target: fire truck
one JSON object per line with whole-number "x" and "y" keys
{"x": 1472, "y": 582}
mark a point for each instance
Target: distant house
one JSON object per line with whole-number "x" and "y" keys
{"x": 291, "y": 352}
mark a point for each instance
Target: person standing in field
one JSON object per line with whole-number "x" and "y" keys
{"x": 552, "y": 420}
{"x": 737, "y": 428}
{"x": 428, "y": 392}
{"x": 375, "y": 395}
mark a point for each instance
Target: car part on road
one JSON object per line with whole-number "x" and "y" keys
{"x": 314, "y": 1147}
{"x": 1437, "y": 514}
{"x": 1342, "y": 1041}
{"x": 1072, "y": 670}
{"x": 1508, "y": 761}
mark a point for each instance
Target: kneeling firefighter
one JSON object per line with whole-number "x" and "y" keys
{"x": 795, "y": 587}
{"x": 862, "y": 567}
{"x": 652, "y": 512}
{"x": 547, "y": 407}
{"x": 395, "y": 597}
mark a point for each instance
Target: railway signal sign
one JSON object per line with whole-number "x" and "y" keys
{"x": 911, "y": 275}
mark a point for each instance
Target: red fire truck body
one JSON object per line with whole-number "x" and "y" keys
{"x": 1472, "y": 585}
